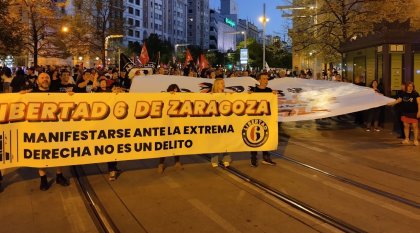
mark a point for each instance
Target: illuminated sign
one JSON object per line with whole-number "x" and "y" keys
{"x": 244, "y": 56}
{"x": 230, "y": 22}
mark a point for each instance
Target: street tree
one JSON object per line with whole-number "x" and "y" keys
{"x": 159, "y": 50}
{"x": 38, "y": 28}
{"x": 91, "y": 23}
{"x": 278, "y": 56}
{"x": 254, "y": 52}
{"x": 10, "y": 39}
{"x": 322, "y": 27}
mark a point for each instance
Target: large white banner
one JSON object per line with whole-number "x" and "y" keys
{"x": 298, "y": 99}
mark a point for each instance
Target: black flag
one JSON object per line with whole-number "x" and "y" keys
{"x": 125, "y": 63}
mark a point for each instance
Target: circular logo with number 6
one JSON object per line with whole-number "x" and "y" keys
{"x": 255, "y": 133}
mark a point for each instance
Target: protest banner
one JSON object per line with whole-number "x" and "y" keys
{"x": 298, "y": 99}
{"x": 56, "y": 129}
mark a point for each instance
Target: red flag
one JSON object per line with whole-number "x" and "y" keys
{"x": 188, "y": 58}
{"x": 204, "y": 64}
{"x": 144, "y": 56}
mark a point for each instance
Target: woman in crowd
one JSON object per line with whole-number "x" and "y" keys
{"x": 7, "y": 79}
{"x": 1, "y": 178}
{"x": 113, "y": 170}
{"x": 172, "y": 89}
{"x": 410, "y": 112}
{"x": 219, "y": 87}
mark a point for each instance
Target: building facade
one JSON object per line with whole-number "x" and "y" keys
{"x": 228, "y": 7}
{"x": 198, "y": 23}
{"x": 132, "y": 16}
{"x": 251, "y": 30}
{"x": 166, "y": 18}
{"x": 390, "y": 55}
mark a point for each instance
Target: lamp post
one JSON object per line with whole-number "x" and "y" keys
{"x": 106, "y": 43}
{"x": 179, "y": 45}
{"x": 264, "y": 21}
{"x": 176, "y": 49}
{"x": 244, "y": 33}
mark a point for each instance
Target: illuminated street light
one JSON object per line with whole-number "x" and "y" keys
{"x": 106, "y": 42}
{"x": 65, "y": 29}
{"x": 180, "y": 45}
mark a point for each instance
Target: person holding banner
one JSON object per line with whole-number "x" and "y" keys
{"x": 172, "y": 89}
{"x": 262, "y": 87}
{"x": 43, "y": 86}
{"x": 113, "y": 170}
{"x": 219, "y": 87}
{"x": 372, "y": 122}
{"x": 1, "y": 178}
{"x": 410, "y": 108}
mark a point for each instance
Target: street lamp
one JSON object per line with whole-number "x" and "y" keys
{"x": 106, "y": 43}
{"x": 264, "y": 21}
{"x": 244, "y": 33}
{"x": 65, "y": 29}
{"x": 180, "y": 45}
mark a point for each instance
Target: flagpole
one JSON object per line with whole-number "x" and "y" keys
{"x": 119, "y": 62}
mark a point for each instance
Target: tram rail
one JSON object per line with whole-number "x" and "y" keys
{"x": 357, "y": 184}
{"x": 99, "y": 215}
{"x": 299, "y": 205}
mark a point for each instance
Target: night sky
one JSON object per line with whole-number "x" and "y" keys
{"x": 253, "y": 9}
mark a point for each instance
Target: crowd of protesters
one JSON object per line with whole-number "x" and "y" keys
{"x": 82, "y": 80}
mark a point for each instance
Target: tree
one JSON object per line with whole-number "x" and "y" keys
{"x": 39, "y": 28}
{"x": 215, "y": 58}
{"x": 90, "y": 25}
{"x": 278, "y": 56}
{"x": 134, "y": 48}
{"x": 159, "y": 50}
{"x": 10, "y": 39}
{"x": 324, "y": 28}
{"x": 254, "y": 52}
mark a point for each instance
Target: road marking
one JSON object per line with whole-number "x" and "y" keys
{"x": 171, "y": 182}
{"x": 346, "y": 190}
{"x": 213, "y": 215}
{"x": 334, "y": 154}
{"x": 339, "y": 156}
{"x": 308, "y": 147}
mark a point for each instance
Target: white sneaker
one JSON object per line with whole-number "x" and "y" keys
{"x": 112, "y": 176}
{"x": 214, "y": 164}
{"x": 405, "y": 142}
{"x": 226, "y": 164}
{"x": 416, "y": 143}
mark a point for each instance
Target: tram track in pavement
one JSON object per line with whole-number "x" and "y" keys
{"x": 354, "y": 183}
{"x": 296, "y": 204}
{"x": 98, "y": 213}
{"x": 104, "y": 222}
